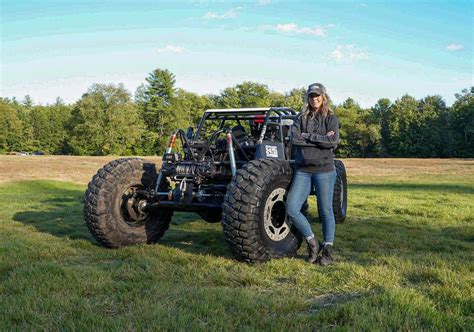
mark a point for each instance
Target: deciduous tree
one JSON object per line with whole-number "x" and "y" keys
{"x": 10, "y": 128}
{"x": 105, "y": 121}
{"x": 462, "y": 124}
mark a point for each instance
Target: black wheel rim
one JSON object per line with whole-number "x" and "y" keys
{"x": 131, "y": 206}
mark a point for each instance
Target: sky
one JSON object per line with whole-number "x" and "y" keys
{"x": 366, "y": 50}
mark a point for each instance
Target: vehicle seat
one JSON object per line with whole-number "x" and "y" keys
{"x": 241, "y": 136}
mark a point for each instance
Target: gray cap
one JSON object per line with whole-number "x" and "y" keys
{"x": 316, "y": 88}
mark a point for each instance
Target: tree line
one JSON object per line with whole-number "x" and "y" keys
{"x": 107, "y": 119}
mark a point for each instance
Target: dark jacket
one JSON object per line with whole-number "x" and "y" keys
{"x": 315, "y": 153}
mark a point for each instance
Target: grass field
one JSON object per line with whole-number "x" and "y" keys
{"x": 405, "y": 259}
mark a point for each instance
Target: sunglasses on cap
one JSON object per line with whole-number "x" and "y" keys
{"x": 314, "y": 95}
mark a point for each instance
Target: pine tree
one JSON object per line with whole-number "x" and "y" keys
{"x": 157, "y": 99}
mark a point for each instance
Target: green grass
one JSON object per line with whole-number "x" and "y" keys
{"x": 405, "y": 262}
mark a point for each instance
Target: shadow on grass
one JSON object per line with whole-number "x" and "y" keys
{"x": 359, "y": 239}
{"x": 61, "y": 215}
{"x": 202, "y": 241}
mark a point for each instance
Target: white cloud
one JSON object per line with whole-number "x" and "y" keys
{"x": 294, "y": 28}
{"x": 232, "y": 13}
{"x": 171, "y": 49}
{"x": 454, "y": 47}
{"x": 288, "y": 27}
{"x": 347, "y": 53}
{"x": 363, "y": 5}
{"x": 264, "y": 2}
{"x": 337, "y": 54}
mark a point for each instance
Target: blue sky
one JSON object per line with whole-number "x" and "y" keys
{"x": 361, "y": 49}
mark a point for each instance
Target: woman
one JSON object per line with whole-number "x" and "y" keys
{"x": 315, "y": 133}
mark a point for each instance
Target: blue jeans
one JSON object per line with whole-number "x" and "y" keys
{"x": 299, "y": 192}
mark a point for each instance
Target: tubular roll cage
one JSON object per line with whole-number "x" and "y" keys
{"x": 271, "y": 114}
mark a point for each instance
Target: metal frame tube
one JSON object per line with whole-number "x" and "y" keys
{"x": 230, "y": 147}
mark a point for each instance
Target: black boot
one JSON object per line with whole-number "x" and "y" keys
{"x": 313, "y": 249}
{"x": 325, "y": 257}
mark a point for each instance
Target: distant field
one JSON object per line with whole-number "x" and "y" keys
{"x": 405, "y": 259}
{"x": 81, "y": 169}
{"x": 63, "y": 168}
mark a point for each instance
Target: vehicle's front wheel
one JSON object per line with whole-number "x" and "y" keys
{"x": 254, "y": 217}
{"x": 114, "y": 208}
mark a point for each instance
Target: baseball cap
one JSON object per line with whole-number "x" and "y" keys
{"x": 316, "y": 88}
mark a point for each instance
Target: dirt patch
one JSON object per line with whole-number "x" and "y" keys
{"x": 81, "y": 169}
{"x": 406, "y": 167}
{"x": 63, "y": 168}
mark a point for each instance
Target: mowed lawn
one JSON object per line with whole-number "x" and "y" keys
{"x": 404, "y": 259}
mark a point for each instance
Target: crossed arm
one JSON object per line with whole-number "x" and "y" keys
{"x": 327, "y": 141}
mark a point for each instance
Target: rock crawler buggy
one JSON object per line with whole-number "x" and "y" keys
{"x": 236, "y": 168}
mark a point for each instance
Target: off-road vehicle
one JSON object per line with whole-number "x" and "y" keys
{"x": 236, "y": 168}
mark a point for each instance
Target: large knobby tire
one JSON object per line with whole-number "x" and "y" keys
{"x": 339, "y": 203}
{"x": 254, "y": 217}
{"x": 111, "y": 209}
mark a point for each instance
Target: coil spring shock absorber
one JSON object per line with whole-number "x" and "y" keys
{"x": 171, "y": 144}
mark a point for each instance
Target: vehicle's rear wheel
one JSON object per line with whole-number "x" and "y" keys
{"x": 114, "y": 208}
{"x": 340, "y": 193}
{"x": 254, "y": 217}
{"x": 339, "y": 202}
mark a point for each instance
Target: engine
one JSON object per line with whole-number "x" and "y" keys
{"x": 197, "y": 172}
